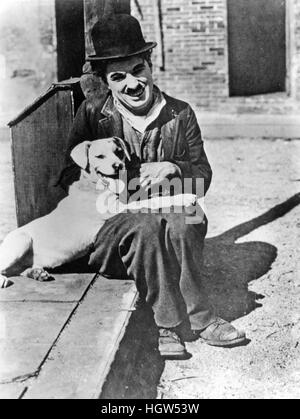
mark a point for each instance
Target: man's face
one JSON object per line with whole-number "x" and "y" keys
{"x": 131, "y": 83}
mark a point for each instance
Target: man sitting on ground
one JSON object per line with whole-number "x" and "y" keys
{"x": 160, "y": 251}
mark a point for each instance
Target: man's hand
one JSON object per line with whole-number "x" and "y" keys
{"x": 155, "y": 173}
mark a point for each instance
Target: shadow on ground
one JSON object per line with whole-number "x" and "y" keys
{"x": 229, "y": 267}
{"x": 137, "y": 369}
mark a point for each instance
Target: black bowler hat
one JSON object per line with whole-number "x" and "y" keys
{"x": 118, "y": 36}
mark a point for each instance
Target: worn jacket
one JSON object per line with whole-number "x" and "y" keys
{"x": 180, "y": 133}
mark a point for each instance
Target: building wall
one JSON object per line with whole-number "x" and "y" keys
{"x": 196, "y": 55}
{"x": 194, "y": 50}
{"x": 294, "y": 17}
{"x": 27, "y": 53}
{"x": 194, "y": 39}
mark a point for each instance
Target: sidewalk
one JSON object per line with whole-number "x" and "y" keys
{"x": 58, "y": 339}
{"x": 245, "y": 125}
{"x": 225, "y": 125}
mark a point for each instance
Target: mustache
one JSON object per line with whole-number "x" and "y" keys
{"x": 138, "y": 89}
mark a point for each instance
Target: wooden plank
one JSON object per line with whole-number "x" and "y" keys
{"x": 159, "y": 35}
{"x": 69, "y": 84}
{"x": 80, "y": 361}
{"x": 38, "y": 146}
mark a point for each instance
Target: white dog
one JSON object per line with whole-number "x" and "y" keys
{"x": 69, "y": 231}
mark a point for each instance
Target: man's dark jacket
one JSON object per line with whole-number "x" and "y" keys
{"x": 180, "y": 133}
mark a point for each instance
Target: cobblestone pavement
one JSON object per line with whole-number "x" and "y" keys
{"x": 250, "y": 269}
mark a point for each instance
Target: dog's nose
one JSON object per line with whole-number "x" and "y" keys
{"x": 118, "y": 166}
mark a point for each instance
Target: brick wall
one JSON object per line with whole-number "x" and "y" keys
{"x": 196, "y": 56}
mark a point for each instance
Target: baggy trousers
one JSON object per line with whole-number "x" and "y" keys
{"x": 163, "y": 254}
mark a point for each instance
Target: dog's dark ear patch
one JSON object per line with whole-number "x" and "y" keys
{"x": 125, "y": 147}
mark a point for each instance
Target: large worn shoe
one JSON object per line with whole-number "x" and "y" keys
{"x": 170, "y": 344}
{"x": 221, "y": 333}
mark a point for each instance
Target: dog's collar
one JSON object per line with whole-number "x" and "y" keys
{"x": 103, "y": 180}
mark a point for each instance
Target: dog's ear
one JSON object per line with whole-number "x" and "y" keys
{"x": 80, "y": 154}
{"x": 125, "y": 147}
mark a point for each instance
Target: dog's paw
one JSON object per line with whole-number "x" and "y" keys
{"x": 38, "y": 274}
{"x": 5, "y": 282}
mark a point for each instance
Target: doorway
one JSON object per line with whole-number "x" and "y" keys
{"x": 256, "y": 46}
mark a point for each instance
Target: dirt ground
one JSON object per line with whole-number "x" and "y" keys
{"x": 251, "y": 271}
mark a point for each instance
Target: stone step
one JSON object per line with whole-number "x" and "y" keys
{"x": 221, "y": 125}
{"x": 59, "y": 339}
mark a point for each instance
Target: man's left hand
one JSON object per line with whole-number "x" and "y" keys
{"x": 157, "y": 172}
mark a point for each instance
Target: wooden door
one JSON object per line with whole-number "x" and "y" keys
{"x": 70, "y": 38}
{"x": 257, "y": 46}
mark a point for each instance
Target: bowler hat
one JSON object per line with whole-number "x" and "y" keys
{"x": 118, "y": 36}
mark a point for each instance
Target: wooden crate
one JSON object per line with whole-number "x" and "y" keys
{"x": 39, "y": 140}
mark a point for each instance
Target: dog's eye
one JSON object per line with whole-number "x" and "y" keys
{"x": 100, "y": 156}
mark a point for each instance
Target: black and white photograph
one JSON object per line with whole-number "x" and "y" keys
{"x": 149, "y": 202}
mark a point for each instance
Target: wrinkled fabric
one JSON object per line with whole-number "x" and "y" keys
{"x": 163, "y": 254}
{"x": 181, "y": 139}
{"x": 146, "y": 147}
